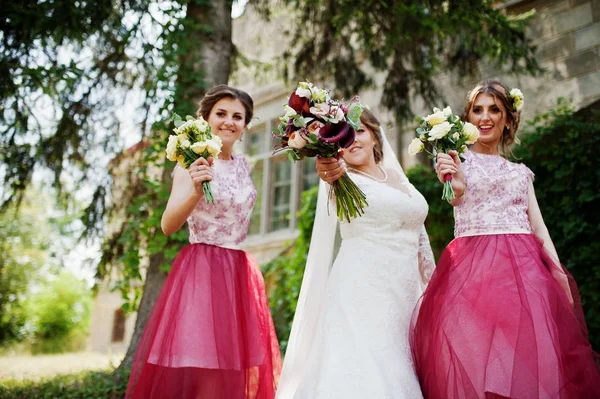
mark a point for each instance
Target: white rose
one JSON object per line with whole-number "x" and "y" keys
{"x": 320, "y": 109}
{"x": 439, "y": 131}
{"x": 182, "y": 137}
{"x": 303, "y": 92}
{"x": 447, "y": 111}
{"x": 415, "y": 147}
{"x": 201, "y": 124}
{"x": 435, "y": 119}
{"x": 198, "y": 147}
{"x": 518, "y": 98}
{"x": 184, "y": 144}
{"x": 456, "y": 136}
{"x": 217, "y": 140}
{"x": 185, "y": 127}
{"x": 172, "y": 148}
{"x": 289, "y": 112}
{"x": 213, "y": 147}
{"x": 339, "y": 114}
{"x": 296, "y": 141}
{"x": 471, "y": 133}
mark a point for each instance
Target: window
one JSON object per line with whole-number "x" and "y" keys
{"x": 118, "y": 332}
{"x": 281, "y": 193}
{"x": 310, "y": 177}
{"x": 279, "y": 183}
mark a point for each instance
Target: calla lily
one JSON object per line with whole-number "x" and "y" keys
{"x": 341, "y": 133}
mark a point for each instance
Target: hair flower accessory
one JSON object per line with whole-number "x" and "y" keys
{"x": 517, "y": 98}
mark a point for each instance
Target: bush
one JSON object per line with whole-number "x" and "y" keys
{"x": 60, "y": 315}
{"x": 560, "y": 147}
{"x": 285, "y": 272}
{"x": 85, "y": 385}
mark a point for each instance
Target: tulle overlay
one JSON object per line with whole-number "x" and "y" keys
{"x": 494, "y": 323}
{"x": 210, "y": 334}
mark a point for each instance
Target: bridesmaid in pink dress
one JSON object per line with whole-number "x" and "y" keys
{"x": 501, "y": 318}
{"x": 211, "y": 335}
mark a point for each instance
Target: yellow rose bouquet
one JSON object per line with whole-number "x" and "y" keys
{"x": 443, "y": 131}
{"x": 193, "y": 139}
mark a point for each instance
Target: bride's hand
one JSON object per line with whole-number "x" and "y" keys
{"x": 450, "y": 164}
{"x": 330, "y": 169}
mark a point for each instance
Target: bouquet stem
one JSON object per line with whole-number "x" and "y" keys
{"x": 448, "y": 192}
{"x": 350, "y": 201}
{"x": 208, "y": 196}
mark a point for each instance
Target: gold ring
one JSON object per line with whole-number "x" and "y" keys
{"x": 326, "y": 173}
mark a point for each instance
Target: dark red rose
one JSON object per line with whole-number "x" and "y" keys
{"x": 299, "y": 104}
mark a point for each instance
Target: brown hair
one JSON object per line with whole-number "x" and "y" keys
{"x": 220, "y": 92}
{"x": 370, "y": 121}
{"x": 499, "y": 91}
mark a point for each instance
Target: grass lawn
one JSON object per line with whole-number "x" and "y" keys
{"x": 104, "y": 384}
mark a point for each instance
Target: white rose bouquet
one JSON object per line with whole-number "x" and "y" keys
{"x": 314, "y": 124}
{"x": 193, "y": 139}
{"x": 443, "y": 131}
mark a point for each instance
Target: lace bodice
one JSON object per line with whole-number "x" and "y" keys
{"x": 496, "y": 199}
{"x": 394, "y": 218}
{"x": 225, "y": 223}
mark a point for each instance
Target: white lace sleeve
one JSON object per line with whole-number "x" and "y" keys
{"x": 426, "y": 259}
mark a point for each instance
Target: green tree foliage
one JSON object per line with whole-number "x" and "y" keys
{"x": 283, "y": 274}
{"x": 25, "y": 248}
{"x": 440, "y": 219}
{"x": 560, "y": 147}
{"x": 409, "y": 41}
{"x": 58, "y": 62}
{"x": 60, "y": 315}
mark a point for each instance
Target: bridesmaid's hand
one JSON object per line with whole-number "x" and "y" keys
{"x": 450, "y": 164}
{"x": 200, "y": 171}
{"x": 330, "y": 169}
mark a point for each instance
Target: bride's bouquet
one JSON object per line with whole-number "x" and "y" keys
{"x": 314, "y": 124}
{"x": 193, "y": 139}
{"x": 443, "y": 131}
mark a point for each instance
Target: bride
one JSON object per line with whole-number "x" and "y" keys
{"x": 349, "y": 337}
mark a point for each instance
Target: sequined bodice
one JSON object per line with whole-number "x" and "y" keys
{"x": 225, "y": 223}
{"x": 496, "y": 200}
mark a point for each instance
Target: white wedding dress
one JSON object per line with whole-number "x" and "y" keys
{"x": 360, "y": 348}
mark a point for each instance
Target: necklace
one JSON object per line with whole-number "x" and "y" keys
{"x": 360, "y": 172}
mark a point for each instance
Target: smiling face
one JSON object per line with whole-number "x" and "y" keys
{"x": 227, "y": 120}
{"x": 360, "y": 153}
{"x": 489, "y": 115}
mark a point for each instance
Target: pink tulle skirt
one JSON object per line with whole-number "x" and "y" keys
{"x": 494, "y": 323}
{"x": 210, "y": 335}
